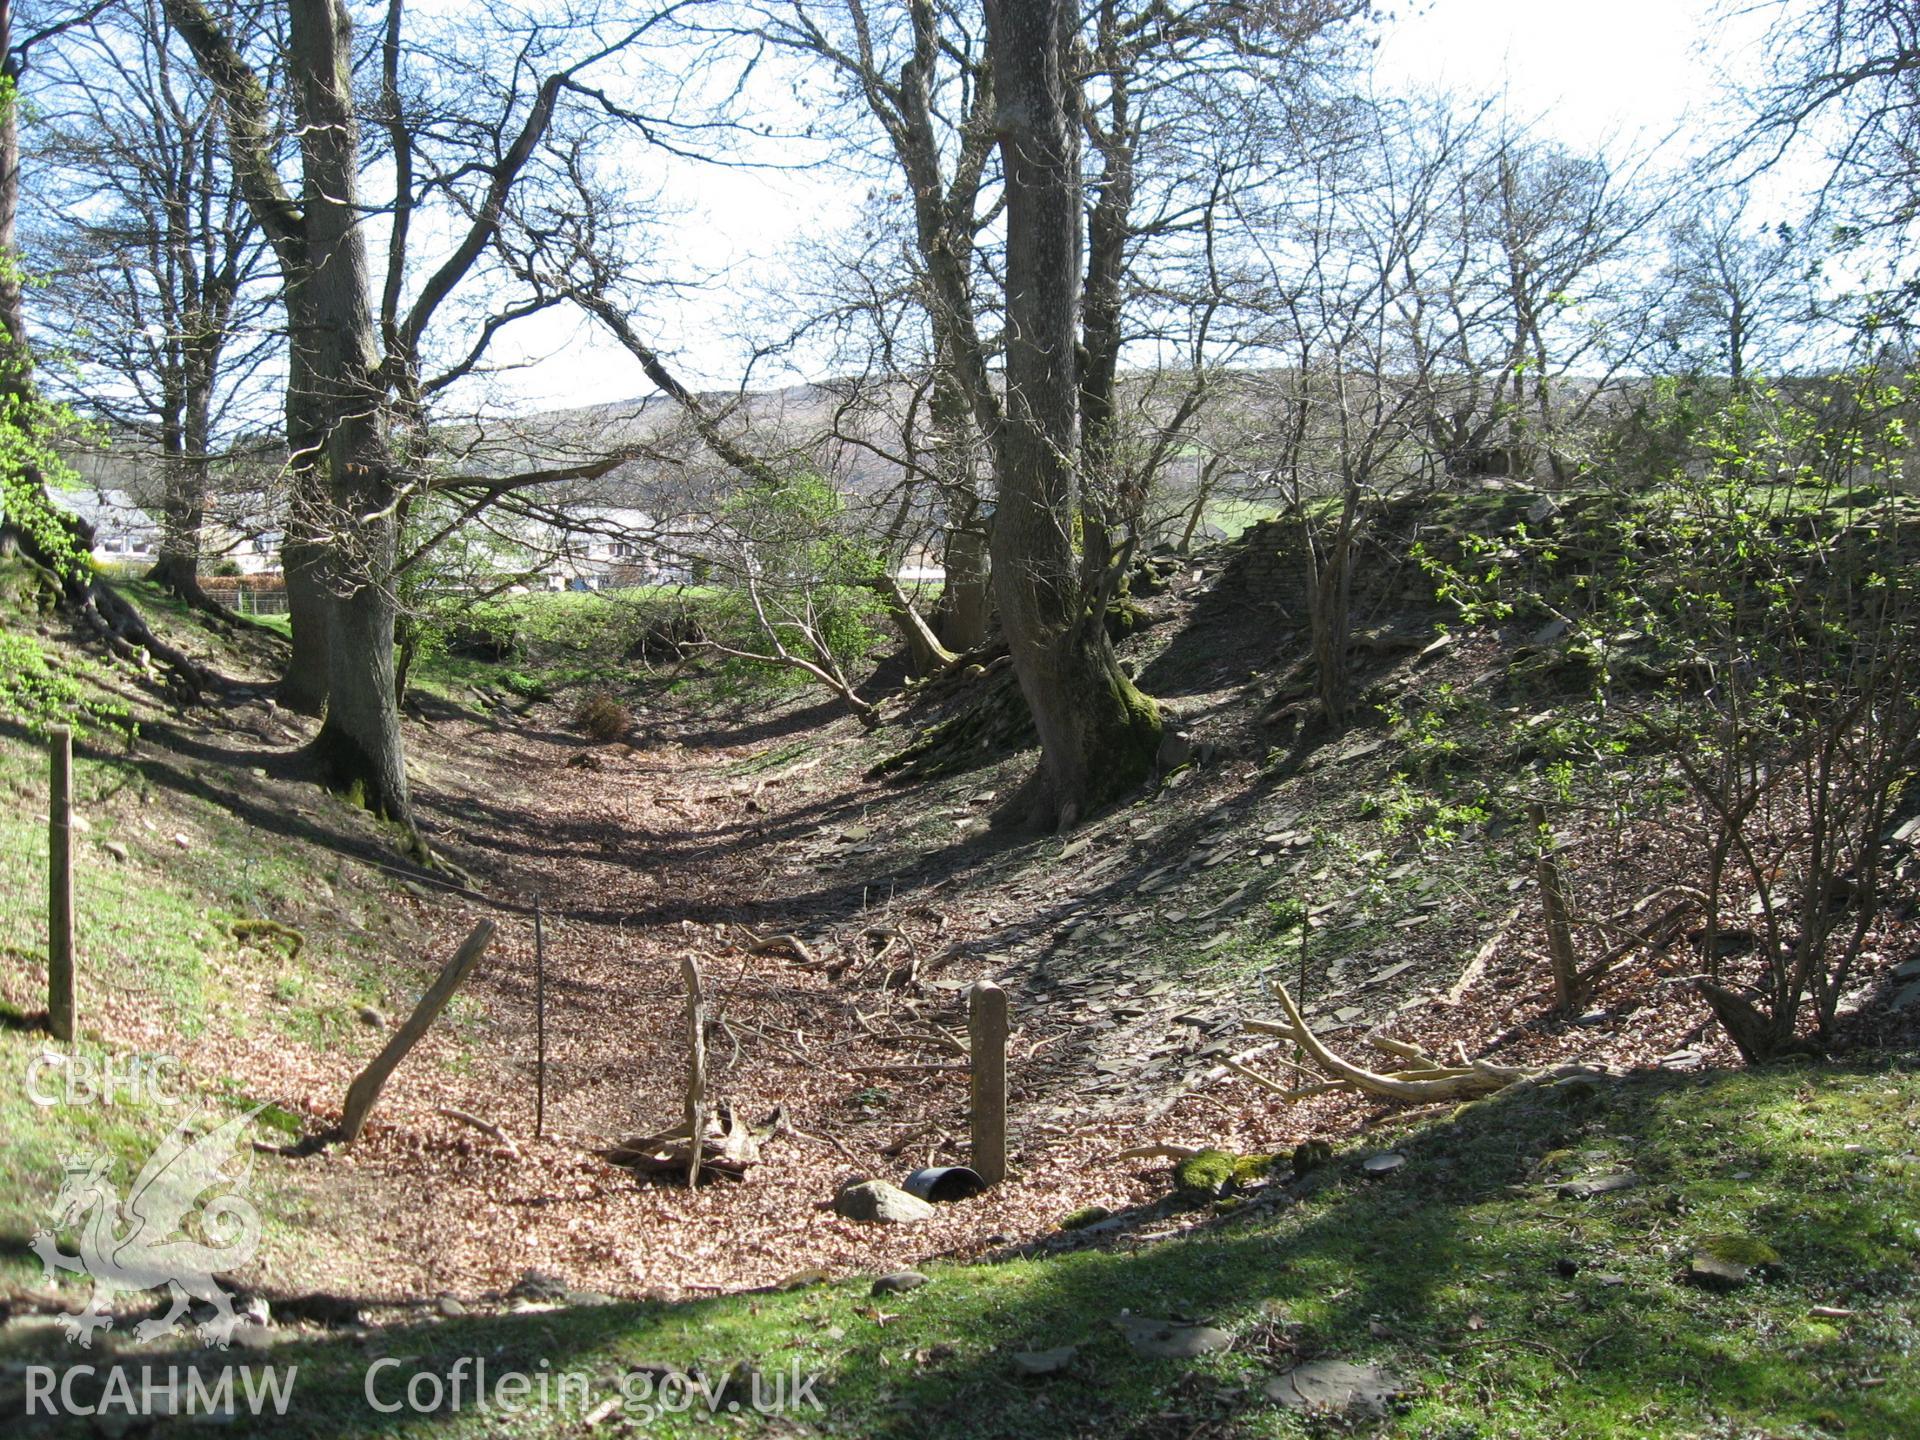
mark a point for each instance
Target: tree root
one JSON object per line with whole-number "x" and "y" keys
{"x": 1425, "y": 1082}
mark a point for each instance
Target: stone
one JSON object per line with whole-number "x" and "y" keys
{"x": 1385, "y": 1163}
{"x": 450, "y": 1306}
{"x": 1176, "y": 749}
{"x": 321, "y": 1309}
{"x": 116, "y": 850}
{"x": 1334, "y": 1385}
{"x": 878, "y": 1203}
{"x": 899, "y": 1282}
{"x": 1712, "y": 1272}
{"x": 1548, "y": 633}
{"x": 1169, "y": 1339}
{"x": 1044, "y": 1362}
{"x": 1586, "y": 1189}
{"x": 538, "y": 1285}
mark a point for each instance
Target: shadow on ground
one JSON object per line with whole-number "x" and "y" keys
{"x": 1463, "y": 1272}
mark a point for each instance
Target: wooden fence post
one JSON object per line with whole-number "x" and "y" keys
{"x": 366, "y": 1089}
{"x": 987, "y": 1044}
{"x": 1553, "y": 900}
{"x": 60, "y": 886}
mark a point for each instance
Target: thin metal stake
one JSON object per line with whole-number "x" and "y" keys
{"x": 1305, "y": 925}
{"x": 539, "y": 1021}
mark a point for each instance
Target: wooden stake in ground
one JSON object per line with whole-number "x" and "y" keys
{"x": 987, "y": 1036}
{"x": 366, "y": 1089}
{"x": 60, "y": 886}
{"x": 696, "y": 1067}
{"x": 1567, "y": 986}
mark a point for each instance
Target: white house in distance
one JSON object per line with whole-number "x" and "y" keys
{"x": 608, "y": 547}
{"x": 124, "y": 534}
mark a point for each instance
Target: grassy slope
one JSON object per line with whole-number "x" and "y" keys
{"x": 1449, "y": 1271}
{"x": 161, "y": 967}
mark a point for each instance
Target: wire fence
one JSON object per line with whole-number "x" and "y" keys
{"x": 96, "y": 927}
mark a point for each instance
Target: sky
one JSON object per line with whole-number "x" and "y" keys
{"x": 1623, "y": 74}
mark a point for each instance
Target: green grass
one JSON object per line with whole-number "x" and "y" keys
{"x": 1507, "y": 1310}
{"x": 1234, "y": 517}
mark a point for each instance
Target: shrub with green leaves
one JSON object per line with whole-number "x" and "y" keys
{"x": 795, "y": 583}
{"x": 39, "y": 690}
{"x": 1742, "y": 640}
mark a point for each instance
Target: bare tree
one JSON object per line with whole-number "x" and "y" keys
{"x": 1742, "y": 295}
{"x": 915, "y": 103}
{"x": 358, "y": 378}
{"x": 1327, "y": 278}
{"x": 1098, "y": 734}
{"x": 1841, "y": 77}
{"x": 160, "y": 301}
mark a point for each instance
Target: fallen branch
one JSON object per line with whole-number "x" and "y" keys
{"x": 1399, "y": 1048}
{"x": 366, "y": 1088}
{"x": 906, "y": 1142}
{"x": 726, "y": 1151}
{"x": 1477, "y": 966}
{"x": 1424, "y": 1087}
{"x": 793, "y": 944}
{"x": 833, "y": 1140}
{"x": 944, "y": 1042}
{"x": 485, "y": 1127}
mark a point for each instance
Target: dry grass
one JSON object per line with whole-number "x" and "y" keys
{"x": 602, "y": 717}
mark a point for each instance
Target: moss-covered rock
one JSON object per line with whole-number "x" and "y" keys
{"x": 1083, "y": 1217}
{"x": 1207, "y": 1175}
{"x": 1748, "y": 1250}
{"x": 1251, "y": 1169}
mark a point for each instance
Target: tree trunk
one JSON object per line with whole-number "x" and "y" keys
{"x": 1098, "y": 734}
{"x": 184, "y": 502}
{"x": 966, "y": 600}
{"x": 14, "y": 368}
{"x": 925, "y": 653}
{"x": 183, "y": 513}
{"x": 303, "y": 686}
{"x": 1330, "y": 608}
{"x": 359, "y": 743}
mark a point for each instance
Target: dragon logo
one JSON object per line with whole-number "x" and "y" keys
{"x": 142, "y": 1244}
